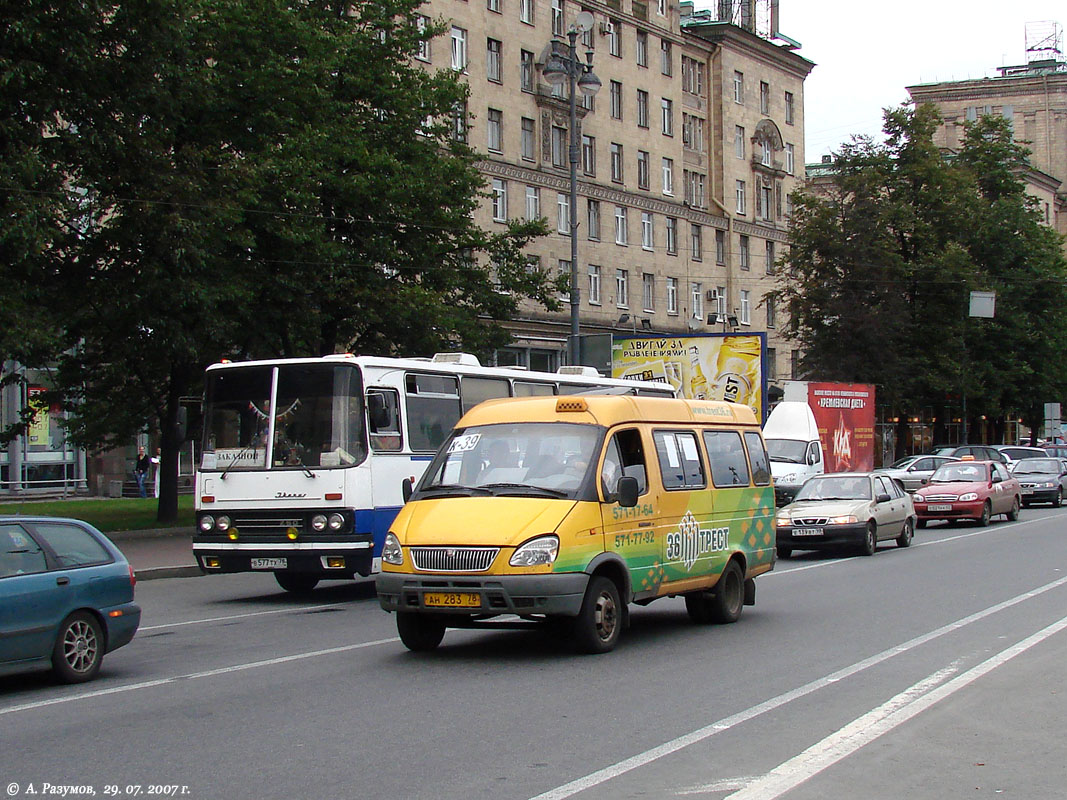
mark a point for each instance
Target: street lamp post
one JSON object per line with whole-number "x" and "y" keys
{"x": 566, "y": 66}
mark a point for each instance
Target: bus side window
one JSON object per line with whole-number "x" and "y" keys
{"x": 433, "y": 407}
{"x": 383, "y": 416}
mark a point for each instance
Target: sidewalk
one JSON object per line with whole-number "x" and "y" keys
{"x": 163, "y": 553}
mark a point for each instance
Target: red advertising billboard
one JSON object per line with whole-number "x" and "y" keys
{"x": 844, "y": 413}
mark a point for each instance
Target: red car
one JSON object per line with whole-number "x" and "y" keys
{"x": 976, "y": 490}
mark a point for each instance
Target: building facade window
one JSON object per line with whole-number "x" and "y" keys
{"x": 423, "y": 22}
{"x": 668, "y": 176}
{"x": 739, "y": 87}
{"x": 615, "y": 38}
{"x": 667, "y": 112}
{"x": 772, "y": 313}
{"x": 672, "y": 295}
{"x": 493, "y": 5}
{"x": 526, "y": 70}
{"x": 692, "y": 76}
{"x": 563, "y": 213}
{"x": 527, "y": 139}
{"x": 641, "y": 46}
{"x": 557, "y": 17}
{"x": 696, "y": 299}
{"x": 563, "y": 270}
{"x": 526, "y": 11}
{"x": 494, "y": 129}
{"x": 643, "y": 170}
{"x": 559, "y": 146}
{"x": 647, "y": 231}
{"x": 765, "y": 202}
{"x": 616, "y": 162}
{"x": 764, "y": 98}
{"x": 620, "y": 225}
{"x": 739, "y": 195}
{"x": 588, "y": 155}
{"x": 746, "y": 308}
{"x": 695, "y": 242}
{"x": 615, "y": 92}
{"x": 592, "y": 220}
{"x": 533, "y": 203}
{"x": 594, "y": 285}
{"x": 666, "y": 57}
{"x": 493, "y": 54}
{"x": 789, "y": 110}
{"x": 770, "y": 257}
{"x": 672, "y": 236}
{"x": 790, "y": 159}
{"x": 642, "y": 108}
{"x": 622, "y": 288}
{"x": 772, "y": 364}
{"x": 739, "y": 141}
{"x": 459, "y": 49}
{"x": 459, "y": 122}
{"x": 743, "y": 252}
{"x": 500, "y": 200}
{"x": 648, "y": 291}
{"x": 720, "y": 247}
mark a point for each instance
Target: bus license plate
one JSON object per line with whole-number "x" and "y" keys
{"x": 269, "y": 563}
{"x": 452, "y": 600}
{"x": 807, "y": 531}
{"x": 939, "y": 507}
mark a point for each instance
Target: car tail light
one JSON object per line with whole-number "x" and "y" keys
{"x": 133, "y": 576}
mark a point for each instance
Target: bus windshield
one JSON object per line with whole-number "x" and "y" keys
{"x": 315, "y": 418}
{"x": 537, "y": 458}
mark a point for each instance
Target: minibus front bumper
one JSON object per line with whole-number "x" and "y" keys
{"x": 553, "y": 594}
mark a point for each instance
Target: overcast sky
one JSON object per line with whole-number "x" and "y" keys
{"x": 866, "y": 53}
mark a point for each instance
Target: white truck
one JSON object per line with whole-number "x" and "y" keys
{"x": 794, "y": 447}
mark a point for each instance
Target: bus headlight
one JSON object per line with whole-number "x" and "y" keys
{"x": 336, "y": 522}
{"x": 536, "y": 552}
{"x": 318, "y": 522}
{"x": 207, "y": 522}
{"x": 392, "y": 553}
{"x": 223, "y": 523}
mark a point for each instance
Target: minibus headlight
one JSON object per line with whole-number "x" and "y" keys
{"x": 966, "y": 498}
{"x": 392, "y": 553}
{"x": 536, "y": 552}
{"x": 207, "y": 522}
{"x": 318, "y": 522}
{"x": 336, "y": 522}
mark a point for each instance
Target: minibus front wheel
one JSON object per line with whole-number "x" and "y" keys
{"x": 419, "y": 632}
{"x": 598, "y": 625}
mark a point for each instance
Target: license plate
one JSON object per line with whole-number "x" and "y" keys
{"x": 270, "y": 563}
{"x": 807, "y": 531}
{"x": 452, "y": 600}
{"x": 939, "y": 507}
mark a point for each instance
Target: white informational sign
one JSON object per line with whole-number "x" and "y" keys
{"x": 247, "y": 457}
{"x": 983, "y": 304}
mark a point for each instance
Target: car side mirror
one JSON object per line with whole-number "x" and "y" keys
{"x": 884, "y": 498}
{"x": 997, "y": 479}
{"x": 626, "y": 491}
{"x": 924, "y": 481}
{"x": 407, "y": 489}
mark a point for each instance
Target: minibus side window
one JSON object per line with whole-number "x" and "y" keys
{"x": 624, "y": 456}
{"x": 757, "y": 456}
{"x": 726, "y": 456}
{"x": 679, "y": 460}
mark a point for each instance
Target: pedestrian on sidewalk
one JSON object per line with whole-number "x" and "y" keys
{"x": 140, "y": 469}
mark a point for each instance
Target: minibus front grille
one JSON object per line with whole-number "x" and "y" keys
{"x": 453, "y": 559}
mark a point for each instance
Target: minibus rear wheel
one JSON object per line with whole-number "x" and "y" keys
{"x": 419, "y": 632}
{"x": 729, "y": 597}
{"x": 597, "y": 627}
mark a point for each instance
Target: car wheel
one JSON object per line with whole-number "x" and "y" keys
{"x": 419, "y": 632}
{"x": 904, "y": 540}
{"x": 729, "y": 597}
{"x": 1057, "y": 501}
{"x": 870, "y": 540}
{"x": 785, "y": 552}
{"x": 1014, "y": 513}
{"x": 987, "y": 514}
{"x": 599, "y": 623}
{"x": 920, "y": 523}
{"x": 79, "y": 648}
{"x": 295, "y": 582}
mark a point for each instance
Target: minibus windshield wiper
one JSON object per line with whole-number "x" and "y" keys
{"x": 525, "y": 488}
{"x": 454, "y": 488}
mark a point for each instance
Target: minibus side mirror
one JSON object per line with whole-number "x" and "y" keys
{"x": 407, "y": 489}
{"x": 626, "y": 491}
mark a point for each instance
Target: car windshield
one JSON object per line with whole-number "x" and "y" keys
{"x": 836, "y": 487}
{"x": 790, "y": 451}
{"x": 960, "y": 472}
{"x": 530, "y": 458}
{"x": 1048, "y": 466}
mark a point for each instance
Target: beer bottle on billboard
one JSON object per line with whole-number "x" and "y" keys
{"x": 738, "y": 365}
{"x": 698, "y": 384}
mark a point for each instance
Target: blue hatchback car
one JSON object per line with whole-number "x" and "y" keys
{"x": 66, "y": 597}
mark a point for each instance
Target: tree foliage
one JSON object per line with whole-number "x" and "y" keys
{"x": 885, "y": 253}
{"x": 247, "y": 179}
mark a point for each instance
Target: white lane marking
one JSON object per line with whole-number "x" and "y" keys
{"x": 572, "y": 788}
{"x": 295, "y": 609}
{"x": 862, "y": 731}
{"x": 131, "y": 687}
{"x": 724, "y": 785}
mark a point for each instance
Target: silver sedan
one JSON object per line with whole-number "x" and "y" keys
{"x": 914, "y": 472}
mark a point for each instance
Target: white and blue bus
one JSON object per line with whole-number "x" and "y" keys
{"x": 304, "y": 459}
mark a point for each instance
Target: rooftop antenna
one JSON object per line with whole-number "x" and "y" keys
{"x": 1044, "y": 41}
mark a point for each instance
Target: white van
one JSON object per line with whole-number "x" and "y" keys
{"x": 792, "y": 438}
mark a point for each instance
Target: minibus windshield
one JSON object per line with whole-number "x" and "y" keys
{"x": 532, "y": 458}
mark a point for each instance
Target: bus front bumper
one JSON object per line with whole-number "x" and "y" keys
{"x": 325, "y": 559}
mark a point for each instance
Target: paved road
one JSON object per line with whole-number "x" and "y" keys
{"x": 930, "y": 672}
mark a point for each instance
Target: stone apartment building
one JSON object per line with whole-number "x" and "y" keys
{"x": 1033, "y": 97}
{"x": 688, "y": 154}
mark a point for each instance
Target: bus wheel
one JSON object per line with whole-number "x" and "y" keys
{"x": 599, "y": 623}
{"x": 729, "y": 597}
{"x": 295, "y": 582}
{"x": 419, "y": 632}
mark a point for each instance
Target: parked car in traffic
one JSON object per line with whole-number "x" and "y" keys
{"x": 973, "y": 490}
{"x": 914, "y": 471}
{"x": 979, "y": 452}
{"x": 1043, "y": 480}
{"x": 1015, "y": 452}
{"x": 66, "y": 597}
{"x": 845, "y": 510}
